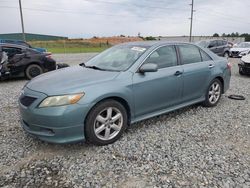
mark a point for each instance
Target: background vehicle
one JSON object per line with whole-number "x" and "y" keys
{"x": 240, "y": 50}
{"x": 122, "y": 85}
{"x": 244, "y": 65}
{"x": 219, "y": 47}
{"x": 23, "y": 61}
{"x": 20, "y": 42}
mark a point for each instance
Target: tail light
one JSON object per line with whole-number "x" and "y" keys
{"x": 48, "y": 55}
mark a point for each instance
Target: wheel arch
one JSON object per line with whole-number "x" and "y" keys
{"x": 222, "y": 82}
{"x": 33, "y": 63}
{"x": 118, "y": 99}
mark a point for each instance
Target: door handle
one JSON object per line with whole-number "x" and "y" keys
{"x": 178, "y": 73}
{"x": 211, "y": 66}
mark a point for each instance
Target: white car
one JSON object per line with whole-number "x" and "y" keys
{"x": 244, "y": 65}
{"x": 242, "y": 49}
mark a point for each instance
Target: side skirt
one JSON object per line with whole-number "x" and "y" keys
{"x": 164, "y": 111}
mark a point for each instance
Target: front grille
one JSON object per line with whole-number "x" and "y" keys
{"x": 235, "y": 52}
{"x": 27, "y": 101}
{"x": 247, "y": 65}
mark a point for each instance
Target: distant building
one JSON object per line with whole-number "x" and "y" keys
{"x": 31, "y": 37}
{"x": 198, "y": 38}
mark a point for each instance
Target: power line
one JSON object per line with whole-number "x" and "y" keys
{"x": 134, "y": 4}
{"x": 77, "y": 12}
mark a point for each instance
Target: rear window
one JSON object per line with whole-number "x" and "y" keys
{"x": 189, "y": 54}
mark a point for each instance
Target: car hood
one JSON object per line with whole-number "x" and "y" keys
{"x": 69, "y": 80}
{"x": 246, "y": 58}
{"x": 239, "y": 49}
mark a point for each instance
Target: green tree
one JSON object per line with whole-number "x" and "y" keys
{"x": 216, "y": 35}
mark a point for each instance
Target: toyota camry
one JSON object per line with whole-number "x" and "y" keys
{"x": 125, "y": 84}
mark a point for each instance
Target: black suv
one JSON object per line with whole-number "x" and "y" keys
{"x": 219, "y": 47}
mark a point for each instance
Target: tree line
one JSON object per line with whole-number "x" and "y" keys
{"x": 236, "y": 34}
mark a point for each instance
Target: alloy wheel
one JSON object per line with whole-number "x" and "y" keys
{"x": 214, "y": 93}
{"x": 108, "y": 123}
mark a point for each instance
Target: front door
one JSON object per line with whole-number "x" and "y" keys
{"x": 155, "y": 91}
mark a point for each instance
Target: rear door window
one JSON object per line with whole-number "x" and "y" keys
{"x": 205, "y": 56}
{"x": 213, "y": 44}
{"x": 12, "y": 51}
{"x": 189, "y": 54}
{"x": 220, "y": 43}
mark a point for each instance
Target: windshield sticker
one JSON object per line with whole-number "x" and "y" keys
{"x": 139, "y": 49}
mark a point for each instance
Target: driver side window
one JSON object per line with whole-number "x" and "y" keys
{"x": 163, "y": 57}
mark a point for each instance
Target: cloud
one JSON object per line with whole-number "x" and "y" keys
{"x": 87, "y": 18}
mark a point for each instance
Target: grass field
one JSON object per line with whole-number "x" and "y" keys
{"x": 60, "y": 50}
{"x": 70, "y": 46}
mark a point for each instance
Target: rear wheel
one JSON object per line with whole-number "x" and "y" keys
{"x": 33, "y": 70}
{"x": 213, "y": 94}
{"x": 105, "y": 123}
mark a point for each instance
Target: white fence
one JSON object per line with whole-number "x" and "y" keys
{"x": 198, "y": 38}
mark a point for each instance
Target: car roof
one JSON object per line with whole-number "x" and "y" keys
{"x": 13, "y": 45}
{"x": 209, "y": 40}
{"x": 154, "y": 43}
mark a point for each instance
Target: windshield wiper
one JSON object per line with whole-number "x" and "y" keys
{"x": 97, "y": 68}
{"x": 82, "y": 64}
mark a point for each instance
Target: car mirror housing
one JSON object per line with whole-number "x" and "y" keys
{"x": 148, "y": 67}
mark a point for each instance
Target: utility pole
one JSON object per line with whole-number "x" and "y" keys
{"x": 191, "y": 21}
{"x": 21, "y": 14}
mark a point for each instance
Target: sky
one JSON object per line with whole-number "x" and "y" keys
{"x": 88, "y": 18}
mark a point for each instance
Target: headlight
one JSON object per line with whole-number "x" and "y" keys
{"x": 61, "y": 100}
{"x": 244, "y": 52}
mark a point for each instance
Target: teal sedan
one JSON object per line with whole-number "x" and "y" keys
{"x": 127, "y": 83}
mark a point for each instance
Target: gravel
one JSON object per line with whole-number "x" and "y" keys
{"x": 192, "y": 147}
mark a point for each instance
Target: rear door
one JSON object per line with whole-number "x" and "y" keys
{"x": 197, "y": 67}
{"x": 221, "y": 46}
{"x": 213, "y": 46}
{"x": 15, "y": 58}
{"x": 155, "y": 91}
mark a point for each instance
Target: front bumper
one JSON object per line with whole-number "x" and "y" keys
{"x": 244, "y": 68}
{"x": 64, "y": 124}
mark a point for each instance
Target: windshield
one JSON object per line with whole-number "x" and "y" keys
{"x": 203, "y": 43}
{"x": 244, "y": 45}
{"x": 118, "y": 58}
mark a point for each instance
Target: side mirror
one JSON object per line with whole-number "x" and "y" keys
{"x": 148, "y": 67}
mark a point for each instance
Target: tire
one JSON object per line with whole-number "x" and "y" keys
{"x": 241, "y": 72}
{"x": 226, "y": 55}
{"x": 33, "y": 70}
{"x": 99, "y": 128}
{"x": 213, "y": 95}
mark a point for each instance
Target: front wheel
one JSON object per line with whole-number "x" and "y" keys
{"x": 105, "y": 123}
{"x": 213, "y": 94}
{"x": 241, "y": 72}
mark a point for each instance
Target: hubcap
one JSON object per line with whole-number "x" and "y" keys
{"x": 34, "y": 71}
{"x": 214, "y": 93}
{"x": 108, "y": 123}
